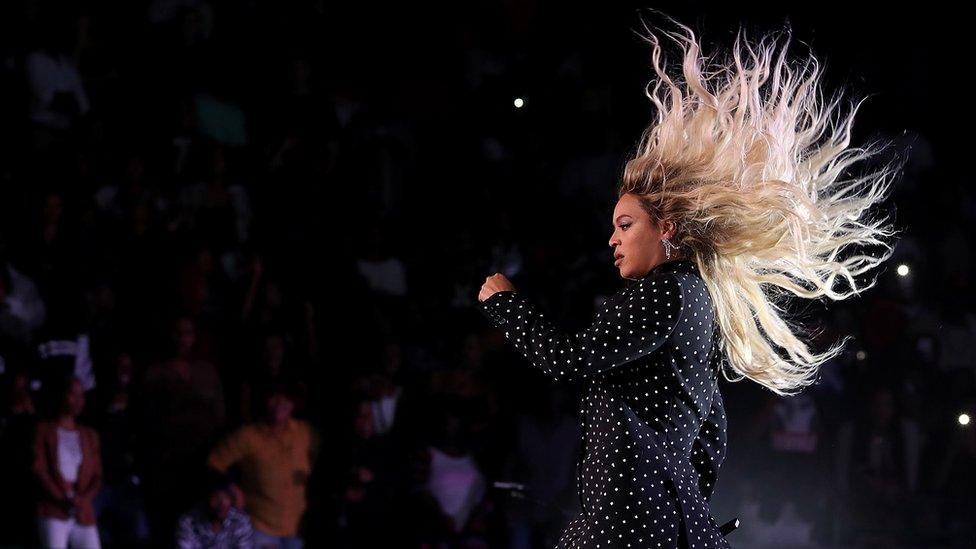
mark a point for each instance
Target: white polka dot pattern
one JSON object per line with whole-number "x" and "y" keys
{"x": 653, "y": 420}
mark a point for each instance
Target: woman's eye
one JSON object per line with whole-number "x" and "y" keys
{"x": 624, "y": 226}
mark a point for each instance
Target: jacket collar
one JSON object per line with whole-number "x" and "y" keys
{"x": 677, "y": 265}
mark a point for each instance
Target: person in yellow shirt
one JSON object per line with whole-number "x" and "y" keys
{"x": 275, "y": 458}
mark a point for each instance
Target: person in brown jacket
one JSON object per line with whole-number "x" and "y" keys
{"x": 68, "y": 466}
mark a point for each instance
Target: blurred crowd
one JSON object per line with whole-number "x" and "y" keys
{"x": 240, "y": 248}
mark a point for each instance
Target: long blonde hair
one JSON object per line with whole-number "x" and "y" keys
{"x": 762, "y": 202}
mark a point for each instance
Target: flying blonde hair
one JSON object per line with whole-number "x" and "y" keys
{"x": 737, "y": 158}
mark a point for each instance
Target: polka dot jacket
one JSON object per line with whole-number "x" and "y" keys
{"x": 652, "y": 415}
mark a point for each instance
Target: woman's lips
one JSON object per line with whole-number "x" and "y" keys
{"x": 617, "y": 262}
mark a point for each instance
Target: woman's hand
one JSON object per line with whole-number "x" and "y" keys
{"x": 494, "y": 283}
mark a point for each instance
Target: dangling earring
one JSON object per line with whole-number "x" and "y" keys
{"x": 668, "y": 246}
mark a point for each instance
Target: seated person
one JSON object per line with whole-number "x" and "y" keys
{"x": 216, "y": 522}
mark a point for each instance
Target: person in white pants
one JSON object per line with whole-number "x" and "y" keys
{"x": 68, "y": 467}
{"x": 60, "y": 534}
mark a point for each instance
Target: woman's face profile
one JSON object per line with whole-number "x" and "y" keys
{"x": 636, "y": 239}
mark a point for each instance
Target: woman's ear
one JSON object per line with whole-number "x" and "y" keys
{"x": 667, "y": 228}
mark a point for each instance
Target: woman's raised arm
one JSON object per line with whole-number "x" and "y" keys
{"x": 631, "y": 329}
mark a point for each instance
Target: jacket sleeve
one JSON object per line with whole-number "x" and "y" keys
{"x": 90, "y": 490}
{"x": 634, "y": 327}
{"x": 51, "y": 486}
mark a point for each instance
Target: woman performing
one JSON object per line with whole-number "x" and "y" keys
{"x": 732, "y": 204}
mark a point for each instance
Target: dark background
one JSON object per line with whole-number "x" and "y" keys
{"x": 339, "y": 178}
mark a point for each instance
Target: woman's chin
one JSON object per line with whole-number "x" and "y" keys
{"x": 629, "y": 274}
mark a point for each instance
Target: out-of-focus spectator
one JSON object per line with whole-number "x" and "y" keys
{"x": 385, "y": 389}
{"x": 68, "y": 466}
{"x": 469, "y": 383}
{"x": 546, "y": 449}
{"x": 275, "y": 458}
{"x": 202, "y": 287}
{"x": 49, "y": 252}
{"x": 217, "y": 210}
{"x": 268, "y": 304}
{"x": 215, "y": 523}
{"x": 64, "y": 348}
{"x": 877, "y": 469}
{"x": 455, "y": 479}
{"x": 120, "y": 196}
{"x": 120, "y": 505}
{"x": 182, "y": 413}
{"x": 57, "y": 94}
{"x": 22, "y": 310}
{"x": 956, "y": 333}
{"x": 271, "y": 306}
{"x": 384, "y": 271}
{"x": 955, "y": 479}
{"x": 366, "y": 485}
{"x": 274, "y": 367}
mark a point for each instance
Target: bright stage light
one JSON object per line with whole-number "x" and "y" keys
{"x": 519, "y": 102}
{"x": 963, "y": 419}
{"x": 903, "y": 270}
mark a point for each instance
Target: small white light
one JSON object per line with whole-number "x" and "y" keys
{"x": 861, "y": 355}
{"x": 519, "y": 102}
{"x": 903, "y": 270}
{"x": 963, "y": 419}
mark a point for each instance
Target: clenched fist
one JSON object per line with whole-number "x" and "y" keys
{"x": 494, "y": 283}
